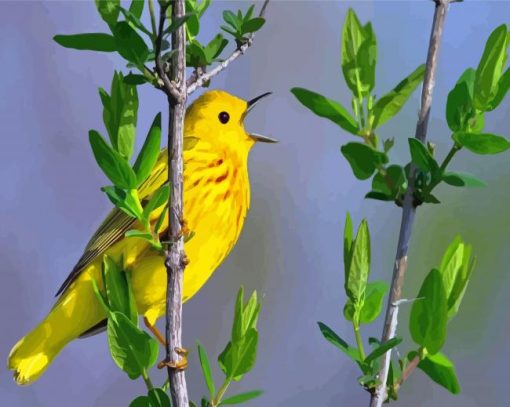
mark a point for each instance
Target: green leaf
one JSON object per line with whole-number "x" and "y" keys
{"x": 109, "y": 10}
{"x": 373, "y": 303}
{"x": 333, "y": 338}
{"x": 490, "y": 68}
{"x": 158, "y": 199}
{"x": 252, "y": 25}
{"x": 124, "y": 201}
{"x": 239, "y": 356}
{"x": 395, "y": 173}
{"x": 503, "y": 87}
{"x": 134, "y": 79}
{"x": 206, "y": 370}
{"x": 359, "y": 266}
{"x": 391, "y": 103}
{"x": 138, "y": 234}
{"x": 441, "y": 370}
{"x": 90, "y": 42}
{"x": 177, "y": 22}
{"x": 149, "y": 153}
{"x": 459, "y": 105}
{"x": 136, "y": 8}
{"x": 367, "y": 57}
{"x": 129, "y": 44}
{"x": 231, "y": 19}
{"x": 347, "y": 247}
{"x": 202, "y": 7}
{"x": 132, "y": 349}
{"x": 482, "y": 143}
{"x": 429, "y": 314}
{"x": 364, "y": 160}
{"x": 135, "y": 22}
{"x": 215, "y": 47}
{"x": 382, "y": 349}
{"x": 156, "y": 398}
{"x": 462, "y": 179}
{"x": 327, "y": 108}
{"x": 353, "y": 37}
{"x": 241, "y": 398}
{"x": 115, "y": 167}
{"x": 421, "y": 156}
{"x": 116, "y": 288}
{"x": 195, "y": 55}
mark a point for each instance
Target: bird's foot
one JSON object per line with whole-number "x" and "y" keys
{"x": 181, "y": 364}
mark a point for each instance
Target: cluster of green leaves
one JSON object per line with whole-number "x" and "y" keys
{"x": 200, "y": 55}
{"x": 120, "y": 110}
{"x": 438, "y": 301}
{"x": 238, "y": 357}
{"x": 131, "y": 348}
{"x": 364, "y": 304}
{"x": 476, "y": 92}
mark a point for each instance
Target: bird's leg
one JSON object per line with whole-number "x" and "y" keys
{"x": 179, "y": 365}
{"x": 184, "y": 231}
{"x": 155, "y": 331}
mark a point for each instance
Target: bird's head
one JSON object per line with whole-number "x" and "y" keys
{"x": 217, "y": 118}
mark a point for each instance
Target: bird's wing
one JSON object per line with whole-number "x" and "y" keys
{"x": 117, "y": 223}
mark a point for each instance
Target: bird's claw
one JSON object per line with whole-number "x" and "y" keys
{"x": 181, "y": 364}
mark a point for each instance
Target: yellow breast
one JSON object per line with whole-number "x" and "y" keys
{"x": 216, "y": 200}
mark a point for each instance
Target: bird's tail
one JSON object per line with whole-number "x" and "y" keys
{"x": 74, "y": 313}
{"x": 33, "y": 353}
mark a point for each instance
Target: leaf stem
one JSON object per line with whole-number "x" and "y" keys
{"x": 153, "y": 19}
{"x": 147, "y": 379}
{"x": 359, "y": 341}
{"x": 221, "y": 392}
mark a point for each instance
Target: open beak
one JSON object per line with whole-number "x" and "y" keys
{"x": 255, "y": 136}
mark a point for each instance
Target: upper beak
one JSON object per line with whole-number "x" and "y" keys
{"x": 255, "y": 136}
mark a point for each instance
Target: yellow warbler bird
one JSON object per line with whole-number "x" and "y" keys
{"x": 216, "y": 200}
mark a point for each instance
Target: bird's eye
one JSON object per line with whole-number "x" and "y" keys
{"x": 224, "y": 117}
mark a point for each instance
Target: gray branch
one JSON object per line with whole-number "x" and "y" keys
{"x": 409, "y": 208}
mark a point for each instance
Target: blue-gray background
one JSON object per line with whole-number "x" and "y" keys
{"x": 290, "y": 249}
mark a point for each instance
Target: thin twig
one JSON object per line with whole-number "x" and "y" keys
{"x": 207, "y": 76}
{"x": 408, "y": 370}
{"x": 409, "y": 209}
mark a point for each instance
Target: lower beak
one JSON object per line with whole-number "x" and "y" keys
{"x": 263, "y": 139}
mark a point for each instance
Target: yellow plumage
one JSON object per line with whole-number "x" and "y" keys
{"x": 216, "y": 199}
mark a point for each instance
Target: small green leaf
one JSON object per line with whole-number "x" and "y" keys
{"x": 129, "y": 44}
{"x": 206, "y": 370}
{"x": 215, "y": 47}
{"x": 353, "y": 37}
{"x": 177, "y": 22}
{"x": 132, "y": 349}
{"x": 360, "y": 265}
{"x": 239, "y": 356}
{"x": 136, "y": 8}
{"x": 382, "y": 349}
{"x": 391, "y": 103}
{"x": 421, "y": 157}
{"x": 367, "y": 56}
{"x": 459, "y": 105}
{"x": 195, "y": 55}
{"x": 135, "y": 22}
{"x": 139, "y": 234}
{"x": 441, "y": 370}
{"x": 482, "y": 143}
{"x": 90, "y": 42}
{"x": 116, "y": 286}
{"x": 115, "y": 167}
{"x": 150, "y": 151}
{"x": 490, "y": 68}
{"x": 503, "y": 87}
{"x": 347, "y": 247}
{"x": 429, "y": 314}
{"x": 158, "y": 199}
{"x": 159, "y": 398}
{"x": 252, "y": 25}
{"x": 231, "y": 19}
{"x": 241, "y": 398}
{"x": 134, "y": 79}
{"x": 462, "y": 179}
{"x": 394, "y": 175}
{"x": 333, "y": 338}
{"x": 109, "y": 10}
{"x": 373, "y": 303}
{"x": 127, "y": 120}
{"x": 364, "y": 160}
{"x": 327, "y": 108}
{"x": 124, "y": 201}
